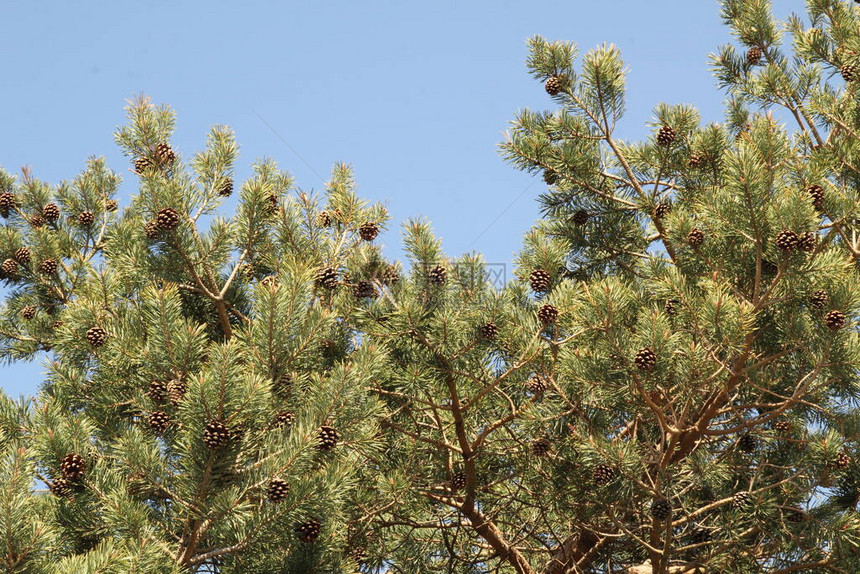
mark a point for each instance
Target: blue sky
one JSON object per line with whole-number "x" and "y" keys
{"x": 415, "y": 96}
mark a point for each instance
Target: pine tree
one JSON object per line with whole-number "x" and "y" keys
{"x": 153, "y": 430}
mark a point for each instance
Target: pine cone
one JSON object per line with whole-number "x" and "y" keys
{"x": 671, "y": 307}
{"x": 458, "y": 480}
{"x": 151, "y": 230}
{"x": 60, "y": 487}
{"x": 603, "y": 474}
{"x": 327, "y": 278}
{"x": 580, "y": 217}
{"x": 327, "y": 438}
{"x": 37, "y": 221}
{"x": 438, "y": 275}
{"x": 754, "y": 55}
{"x": 834, "y": 320}
{"x": 547, "y": 314}
{"x": 309, "y": 530}
{"x": 73, "y": 466}
{"x": 157, "y": 391}
{"x": 850, "y": 73}
{"x": 364, "y": 290}
{"x": 537, "y": 384}
{"x": 661, "y": 509}
{"x": 51, "y": 212}
{"x": 9, "y": 269}
{"x": 696, "y": 237}
{"x": 284, "y": 419}
{"x": 111, "y": 205}
{"x": 816, "y": 192}
{"x": 86, "y": 218}
{"x": 808, "y": 241}
{"x": 323, "y": 218}
{"x": 28, "y": 312}
{"x": 142, "y": 164}
{"x": 215, "y": 434}
{"x": 645, "y": 359}
{"x": 741, "y": 499}
{"x": 540, "y": 281}
{"x": 550, "y": 177}
{"x": 167, "y": 219}
{"x": 48, "y": 267}
{"x": 368, "y": 231}
{"x": 277, "y": 490}
{"x": 541, "y": 446}
{"x": 7, "y": 203}
{"x": 696, "y": 160}
{"x": 662, "y": 209}
{"x": 554, "y": 85}
{"x": 818, "y": 299}
{"x": 176, "y": 390}
{"x": 390, "y": 276}
{"x": 782, "y": 426}
{"x": 842, "y": 460}
{"x": 96, "y": 336}
{"x": 787, "y": 240}
{"x": 159, "y": 421}
{"x": 747, "y": 443}
{"x": 164, "y": 155}
{"x": 666, "y": 136}
{"x": 22, "y": 256}
{"x": 489, "y": 330}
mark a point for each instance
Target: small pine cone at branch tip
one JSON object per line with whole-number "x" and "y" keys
{"x": 225, "y": 188}
{"x": 9, "y": 268}
{"x": 661, "y": 509}
{"x": 176, "y": 390}
{"x": 96, "y": 336}
{"x": 111, "y": 205}
{"x": 157, "y": 391}
{"x": 842, "y": 460}
{"x": 23, "y": 256}
{"x": 215, "y": 434}
{"x": 580, "y": 217}
{"x": 86, "y": 218}
{"x": 645, "y": 359}
{"x": 671, "y": 307}
{"x": 834, "y": 320}
{"x": 541, "y": 446}
{"x": 696, "y": 237}
{"x": 323, "y": 218}
{"x": 696, "y": 160}
{"x": 73, "y": 466}
{"x": 747, "y": 443}
{"x": 554, "y": 85}
{"x": 816, "y": 193}
{"x": 37, "y": 221}
{"x": 754, "y": 55}
{"x": 550, "y": 177}
{"x": 327, "y": 278}
{"x": 51, "y": 212}
{"x": 782, "y": 426}
{"x": 390, "y": 276}
{"x": 159, "y": 421}
{"x": 167, "y": 219}
{"x": 818, "y": 299}
{"x": 364, "y": 290}
{"x": 787, "y": 240}
{"x": 28, "y": 312}
{"x": 309, "y": 530}
{"x": 284, "y": 419}
{"x": 438, "y": 275}
{"x": 603, "y": 474}
{"x": 327, "y": 438}
{"x": 540, "y": 281}
{"x": 458, "y": 480}
{"x": 489, "y": 330}
{"x": 368, "y": 231}
{"x": 808, "y": 242}
{"x": 48, "y": 267}
{"x": 60, "y": 487}
{"x": 666, "y": 136}
{"x": 142, "y": 164}
{"x": 277, "y": 490}
{"x": 741, "y": 499}
{"x": 547, "y": 314}
{"x": 151, "y": 230}
{"x": 662, "y": 209}
{"x": 850, "y": 72}
{"x": 537, "y": 384}
{"x": 8, "y": 202}
{"x": 164, "y": 154}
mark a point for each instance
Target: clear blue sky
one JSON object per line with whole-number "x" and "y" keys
{"x": 415, "y": 95}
